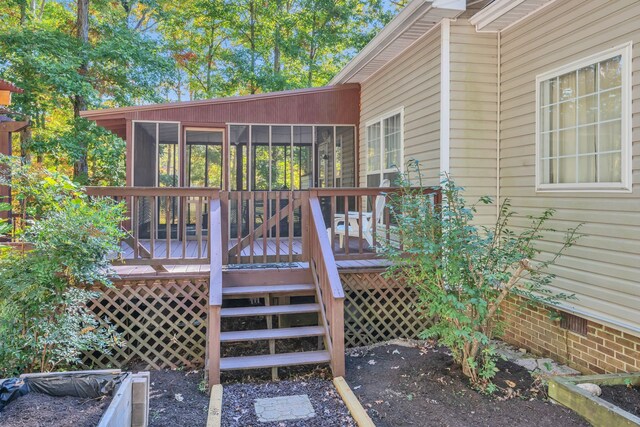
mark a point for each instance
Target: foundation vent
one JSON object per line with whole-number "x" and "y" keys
{"x": 574, "y": 323}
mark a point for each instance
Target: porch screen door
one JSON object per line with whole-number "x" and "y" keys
{"x": 204, "y": 168}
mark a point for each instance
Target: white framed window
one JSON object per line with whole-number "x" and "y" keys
{"x": 583, "y": 124}
{"x": 385, "y": 147}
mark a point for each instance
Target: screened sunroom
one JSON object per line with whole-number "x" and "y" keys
{"x": 245, "y": 146}
{"x": 253, "y": 157}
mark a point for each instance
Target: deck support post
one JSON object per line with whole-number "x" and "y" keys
{"x": 213, "y": 345}
{"x": 337, "y": 334}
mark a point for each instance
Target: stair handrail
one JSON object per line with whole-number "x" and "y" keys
{"x": 328, "y": 286}
{"x": 215, "y": 291}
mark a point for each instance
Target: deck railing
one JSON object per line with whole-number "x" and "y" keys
{"x": 165, "y": 226}
{"x": 328, "y": 286}
{"x": 265, "y": 226}
{"x": 170, "y": 226}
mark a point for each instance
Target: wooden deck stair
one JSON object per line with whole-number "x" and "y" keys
{"x": 261, "y": 290}
{"x": 275, "y": 360}
{"x": 269, "y": 310}
{"x": 268, "y": 287}
{"x": 274, "y": 294}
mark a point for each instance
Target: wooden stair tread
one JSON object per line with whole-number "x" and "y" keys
{"x": 267, "y": 289}
{"x": 268, "y": 334}
{"x": 269, "y": 310}
{"x": 274, "y": 360}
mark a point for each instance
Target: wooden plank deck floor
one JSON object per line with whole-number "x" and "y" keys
{"x": 197, "y": 269}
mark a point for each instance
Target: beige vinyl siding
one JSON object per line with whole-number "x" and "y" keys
{"x": 474, "y": 112}
{"x": 603, "y": 270}
{"x": 411, "y": 81}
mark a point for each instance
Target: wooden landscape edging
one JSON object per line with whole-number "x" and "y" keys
{"x": 356, "y": 409}
{"x": 214, "y": 417}
{"x": 594, "y": 409}
{"x": 130, "y": 404}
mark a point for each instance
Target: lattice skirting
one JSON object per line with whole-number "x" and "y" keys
{"x": 378, "y": 309}
{"x": 163, "y": 323}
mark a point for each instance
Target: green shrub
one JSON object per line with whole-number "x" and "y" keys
{"x": 44, "y": 321}
{"x": 463, "y": 272}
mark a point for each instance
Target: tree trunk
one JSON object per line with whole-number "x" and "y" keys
{"x": 25, "y": 140}
{"x": 252, "y": 23}
{"x": 80, "y": 168}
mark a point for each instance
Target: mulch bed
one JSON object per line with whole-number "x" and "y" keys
{"x": 626, "y": 398}
{"x": 178, "y": 398}
{"x": 238, "y": 403}
{"x": 406, "y": 386}
{"x": 42, "y": 410}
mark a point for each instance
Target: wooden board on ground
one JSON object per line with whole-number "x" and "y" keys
{"x": 597, "y": 411}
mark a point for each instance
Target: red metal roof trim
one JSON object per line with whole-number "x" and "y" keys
{"x": 94, "y": 114}
{"x": 5, "y": 85}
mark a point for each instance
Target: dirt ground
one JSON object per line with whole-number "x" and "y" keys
{"x": 42, "y": 410}
{"x": 238, "y": 403}
{"x": 178, "y": 398}
{"x": 627, "y": 398}
{"x": 406, "y": 386}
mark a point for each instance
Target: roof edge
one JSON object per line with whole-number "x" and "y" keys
{"x": 94, "y": 114}
{"x": 5, "y": 85}
{"x": 407, "y": 17}
{"x": 397, "y": 24}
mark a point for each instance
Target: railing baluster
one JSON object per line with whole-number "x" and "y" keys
{"x": 290, "y": 196}
{"x": 198, "y": 225}
{"x": 239, "y": 228}
{"x": 265, "y": 220}
{"x": 359, "y": 208}
{"x": 181, "y": 227}
{"x": 346, "y": 225}
{"x": 167, "y": 219}
{"x": 224, "y": 202}
{"x": 252, "y": 226}
{"x": 136, "y": 228}
{"x": 374, "y": 216}
{"x": 152, "y": 231}
{"x": 277, "y": 203}
{"x": 387, "y": 224}
{"x": 332, "y": 219}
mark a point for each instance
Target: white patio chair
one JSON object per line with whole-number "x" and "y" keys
{"x": 368, "y": 222}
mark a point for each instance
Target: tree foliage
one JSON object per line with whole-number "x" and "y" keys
{"x": 464, "y": 273}
{"x": 140, "y": 51}
{"x": 45, "y": 286}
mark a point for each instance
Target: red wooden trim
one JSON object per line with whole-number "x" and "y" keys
{"x": 152, "y": 191}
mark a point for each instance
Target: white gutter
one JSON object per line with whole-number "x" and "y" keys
{"x": 445, "y": 96}
{"x": 492, "y": 12}
{"x": 499, "y": 107}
